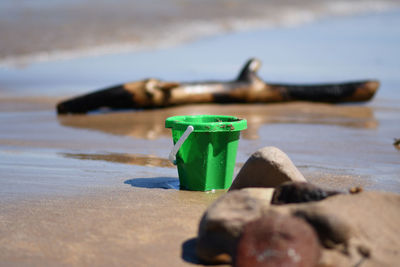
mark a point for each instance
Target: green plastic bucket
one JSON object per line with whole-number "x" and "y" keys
{"x": 205, "y": 148}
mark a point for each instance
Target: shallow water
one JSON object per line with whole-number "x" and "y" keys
{"x": 47, "y": 29}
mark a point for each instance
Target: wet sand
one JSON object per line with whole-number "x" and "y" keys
{"x": 98, "y": 190}
{"x": 74, "y": 193}
{"x": 120, "y": 227}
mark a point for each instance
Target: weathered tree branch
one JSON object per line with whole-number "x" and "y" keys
{"x": 247, "y": 88}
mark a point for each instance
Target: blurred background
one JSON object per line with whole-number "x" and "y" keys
{"x": 48, "y": 29}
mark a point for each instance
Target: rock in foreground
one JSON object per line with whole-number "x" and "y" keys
{"x": 300, "y": 192}
{"x": 267, "y": 167}
{"x": 222, "y": 223}
{"x": 352, "y": 229}
{"x": 276, "y": 240}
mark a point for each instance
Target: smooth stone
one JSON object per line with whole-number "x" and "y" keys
{"x": 276, "y": 240}
{"x": 353, "y": 229}
{"x": 300, "y": 192}
{"x": 222, "y": 223}
{"x": 267, "y": 167}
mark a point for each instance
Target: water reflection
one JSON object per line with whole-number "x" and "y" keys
{"x": 132, "y": 159}
{"x": 149, "y": 124}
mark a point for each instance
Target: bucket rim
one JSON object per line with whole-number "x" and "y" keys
{"x": 223, "y": 123}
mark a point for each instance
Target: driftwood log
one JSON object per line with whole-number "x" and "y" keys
{"x": 247, "y": 88}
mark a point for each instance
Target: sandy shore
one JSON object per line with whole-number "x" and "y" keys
{"x": 98, "y": 190}
{"x": 120, "y": 227}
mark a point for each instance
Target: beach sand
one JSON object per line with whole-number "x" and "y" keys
{"x": 98, "y": 189}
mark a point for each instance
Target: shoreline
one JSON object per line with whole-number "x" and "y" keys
{"x": 302, "y": 63}
{"x": 199, "y": 29}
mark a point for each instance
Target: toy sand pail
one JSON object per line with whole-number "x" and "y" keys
{"x": 205, "y": 149}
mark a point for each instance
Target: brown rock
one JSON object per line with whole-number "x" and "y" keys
{"x": 356, "y": 190}
{"x": 353, "y": 229}
{"x": 267, "y": 167}
{"x": 300, "y": 192}
{"x": 222, "y": 223}
{"x": 333, "y": 232}
{"x": 277, "y": 240}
